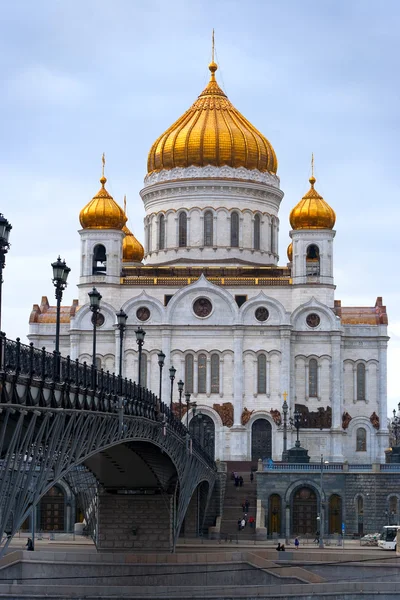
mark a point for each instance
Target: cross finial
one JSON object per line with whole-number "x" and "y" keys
{"x": 103, "y": 160}
{"x": 125, "y": 204}
{"x": 285, "y": 395}
{"x": 312, "y": 164}
{"x": 213, "y": 46}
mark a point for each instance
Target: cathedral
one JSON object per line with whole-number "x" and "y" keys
{"x": 243, "y": 332}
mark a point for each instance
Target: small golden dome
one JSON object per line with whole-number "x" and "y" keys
{"x": 132, "y": 249}
{"x": 312, "y": 212}
{"x": 290, "y": 251}
{"x": 102, "y": 212}
{"x": 212, "y": 132}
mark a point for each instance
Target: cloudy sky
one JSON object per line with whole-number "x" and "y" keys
{"x": 79, "y": 77}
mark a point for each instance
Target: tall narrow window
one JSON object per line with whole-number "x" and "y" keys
{"x": 202, "y": 373}
{"x": 214, "y": 374}
{"x": 312, "y": 261}
{"x": 261, "y": 374}
{"x": 143, "y": 370}
{"x": 150, "y": 231}
{"x": 257, "y": 228}
{"x": 313, "y": 378}
{"x": 161, "y": 232}
{"x": 234, "y": 230}
{"x": 208, "y": 228}
{"x": 148, "y": 237}
{"x": 361, "y": 440}
{"x": 189, "y": 373}
{"x": 182, "y": 230}
{"x": 360, "y": 381}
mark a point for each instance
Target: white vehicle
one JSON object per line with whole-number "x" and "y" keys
{"x": 388, "y": 537}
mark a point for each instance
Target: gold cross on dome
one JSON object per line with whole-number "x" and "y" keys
{"x": 103, "y": 160}
{"x": 285, "y": 395}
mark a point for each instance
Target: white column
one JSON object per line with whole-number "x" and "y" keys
{"x": 255, "y": 378}
{"x": 319, "y": 371}
{"x": 116, "y": 353}
{"x": 336, "y": 382}
{"x": 285, "y": 364}
{"x": 182, "y": 369}
{"x": 221, "y": 377}
{"x": 307, "y": 381}
{"x": 238, "y": 377}
{"x": 74, "y": 341}
{"x": 195, "y": 376}
{"x": 382, "y": 349}
{"x": 215, "y": 230}
{"x": 166, "y": 348}
{"x": 150, "y": 384}
{"x": 208, "y": 377}
{"x": 354, "y": 384}
{"x": 366, "y": 393}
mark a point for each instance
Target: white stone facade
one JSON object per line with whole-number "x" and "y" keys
{"x": 236, "y": 357}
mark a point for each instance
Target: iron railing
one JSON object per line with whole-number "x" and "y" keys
{"x": 84, "y": 387}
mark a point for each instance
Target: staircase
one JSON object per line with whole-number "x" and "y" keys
{"x": 234, "y": 498}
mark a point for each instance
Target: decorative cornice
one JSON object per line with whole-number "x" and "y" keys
{"x": 211, "y": 172}
{"x": 216, "y": 191}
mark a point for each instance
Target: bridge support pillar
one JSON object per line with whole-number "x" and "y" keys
{"x": 136, "y": 522}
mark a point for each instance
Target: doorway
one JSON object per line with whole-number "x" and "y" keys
{"x": 304, "y": 511}
{"x": 261, "y": 439}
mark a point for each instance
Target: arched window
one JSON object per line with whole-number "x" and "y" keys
{"x": 208, "y": 228}
{"x": 99, "y": 260}
{"x": 182, "y": 230}
{"x": 161, "y": 232}
{"x": 361, "y": 440}
{"x": 234, "y": 230}
{"x": 360, "y": 381}
{"x": 189, "y": 373}
{"x": 312, "y": 261}
{"x": 52, "y": 510}
{"x": 313, "y": 378}
{"x": 202, "y": 373}
{"x": 143, "y": 370}
{"x": 261, "y": 374}
{"x": 98, "y": 363}
{"x": 214, "y": 374}
{"x": 257, "y": 228}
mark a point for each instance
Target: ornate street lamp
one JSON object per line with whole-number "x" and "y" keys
{"x": 187, "y": 400}
{"x": 172, "y": 372}
{"x": 140, "y": 333}
{"x": 181, "y": 385}
{"x": 94, "y": 297}
{"x": 5, "y": 228}
{"x": 122, "y": 318}
{"x": 285, "y": 413}
{"x": 395, "y": 425}
{"x": 60, "y": 276}
{"x": 161, "y": 359}
{"x": 298, "y": 422}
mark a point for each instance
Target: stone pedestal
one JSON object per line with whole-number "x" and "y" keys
{"x": 394, "y": 456}
{"x": 298, "y": 455}
{"x": 135, "y": 522}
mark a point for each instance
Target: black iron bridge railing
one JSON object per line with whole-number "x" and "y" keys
{"x": 86, "y": 388}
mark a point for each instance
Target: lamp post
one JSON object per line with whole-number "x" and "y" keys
{"x": 180, "y": 390}
{"x": 285, "y": 413}
{"x": 5, "y": 228}
{"x": 140, "y": 333}
{"x": 60, "y": 276}
{"x": 161, "y": 359}
{"x": 395, "y": 426}
{"x": 297, "y": 424}
{"x": 187, "y": 400}
{"x": 172, "y": 372}
{"x": 94, "y": 297}
{"x": 122, "y": 318}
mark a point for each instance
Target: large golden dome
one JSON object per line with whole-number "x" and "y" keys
{"x": 212, "y": 132}
{"x": 132, "y": 249}
{"x": 102, "y": 212}
{"x": 312, "y": 212}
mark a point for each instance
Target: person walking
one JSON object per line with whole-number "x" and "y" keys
{"x": 251, "y": 476}
{"x": 240, "y": 481}
{"x": 239, "y": 524}
{"x": 297, "y": 543}
{"x": 279, "y": 548}
{"x": 243, "y": 523}
{"x": 246, "y": 505}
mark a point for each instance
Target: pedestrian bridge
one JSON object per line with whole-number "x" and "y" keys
{"x": 131, "y": 463}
